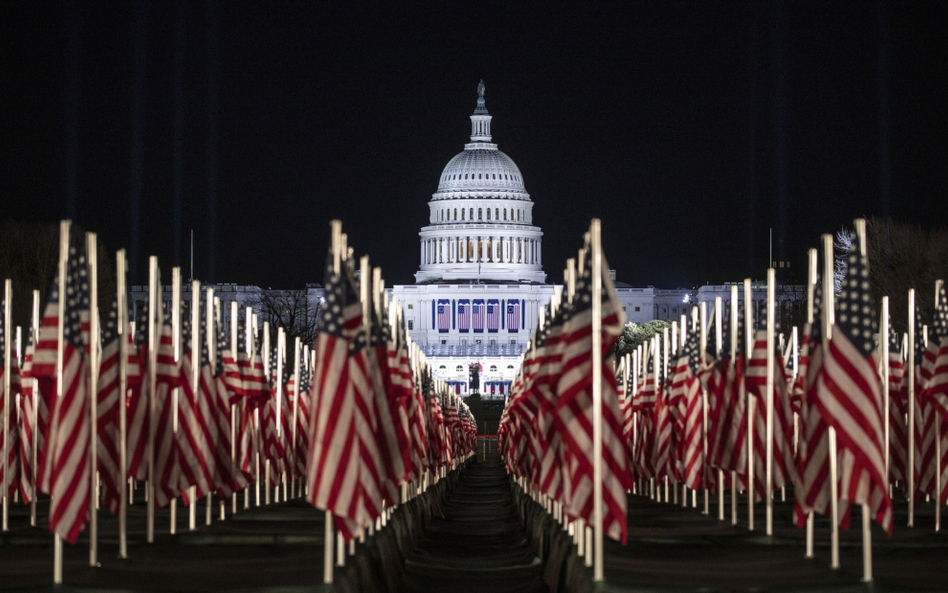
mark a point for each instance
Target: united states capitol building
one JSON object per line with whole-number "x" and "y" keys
{"x": 480, "y": 283}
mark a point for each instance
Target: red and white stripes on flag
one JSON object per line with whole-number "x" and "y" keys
{"x": 574, "y": 408}
{"x": 685, "y": 394}
{"x": 64, "y": 468}
{"x": 851, "y": 400}
{"x": 11, "y": 482}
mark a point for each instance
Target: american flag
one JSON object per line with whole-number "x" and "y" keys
{"x": 931, "y": 421}
{"x": 513, "y": 315}
{"x": 390, "y": 441}
{"x": 274, "y": 443}
{"x": 477, "y": 315}
{"x": 444, "y": 315}
{"x": 111, "y": 403}
{"x": 167, "y": 470}
{"x": 812, "y": 490}
{"x": 464, "y": 315}
{"x": 898, "y": 410}
{"x": 302, "y": 416}
{"x": 27, "y": 433}
{"x": 9, "y": 431}
{"x": 851, "y": 401}
{"x": 574, "y": 407}
{"x": 685, "y": 393}
{"x": 138, "y": 413}
{"x": 332, "y": 471}
{"x": 493, "y": 315}
{"x": 65, "y": 471}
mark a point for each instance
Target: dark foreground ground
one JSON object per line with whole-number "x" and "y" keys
{"x": 477, "y": 544}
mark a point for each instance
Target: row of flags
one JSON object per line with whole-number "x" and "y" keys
{"x": 195, "y": 407}
{"x": 379, "y": 420}
{"x": 692, "y": 407}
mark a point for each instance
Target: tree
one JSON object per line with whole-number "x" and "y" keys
{"x": 904, "y": 256}
{"x": 634, "y": 334}
{"x": 296, "y": 311}
{"x": 842, "y": 247}
{"x": 29, "y": 256}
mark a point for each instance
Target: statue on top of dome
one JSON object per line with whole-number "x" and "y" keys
{"x": 480, "y": 89}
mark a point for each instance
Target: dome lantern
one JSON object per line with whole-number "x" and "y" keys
{"x": 480, "y": 120}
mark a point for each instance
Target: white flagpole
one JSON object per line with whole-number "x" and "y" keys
{"x": 33, "y": 421}
{"x": 213, "y": 312}
{"x": 598, "y": 542}
{"x": 828, "y": 319}
{"x": 751, "y": 407}
{"x": 703, "y": 337}
{"x": 884, "y": 363}
{"x": 195, "y": 388}
{"x": 911, "y": 407}
{"x": 769, "y": 402}
{"x": 176, "y": 344}
{"x": 92, "y": 262}
{"x": 718, "y": 335}
{"x": 938, "y": 451}
{"x": 281, "y": 353}
{"x": 296, "y": 404}
{"x": 7, "y": 301}
{"x": 63, "y": 257}
{"x": 154, "y": 317}
{"x": 121, "y": 318}
{"x": 260, "y": 428}
{"x": 336, "y": 234}
{"x": 813, "y": 261}
{"x": 251, "y": 334}
{"x": 233, "y": 408}
{"x": 733, "y": 321}
{"x": 860, "y": 224}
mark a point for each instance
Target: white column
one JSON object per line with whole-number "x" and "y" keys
{"x": 539, "y": 252}
{"x": 422, "y": 243}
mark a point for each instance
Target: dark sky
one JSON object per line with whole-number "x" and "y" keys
{"x": 691, "y": 129}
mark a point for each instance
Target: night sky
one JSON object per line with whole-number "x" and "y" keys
{"x": 691, "y": 129}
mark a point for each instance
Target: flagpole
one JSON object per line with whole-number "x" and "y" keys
{"x": 260, "y": 428}
{"x": 860, "y": 224}
{"x": 598, "y": 542}
{"x": 884, "y": 362}
{"x": 910, "y": 470}
{"x": 63, "y": 256}
{"x": 296, "y": 404}
{"x": 34, "y": 383}
{"x": 153, "y": 290}
{"x": 7, "y": 370}
{"x": 281, "y": 351}
{"x": 703, "y": 311}
{"x": 336, "y": 246}
{"x": 196, "y": 363}
{"x": 176, "y": 344}
{"x": 938, "y": 451}
{"x": 717, "y": 353}
{"x": 121, "y": 315}
{"x": 751, "y": 407}
{"x": 234, "y": 315}
{"x": 813, "y": 263}
{"x": 769, "y": 402}
{"x": 732, "y": 364}
{"x": 250, "y": 335}
{"x": 828, "y": 320}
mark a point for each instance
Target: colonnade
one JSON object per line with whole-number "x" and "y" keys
{"x": 481, "y": 249}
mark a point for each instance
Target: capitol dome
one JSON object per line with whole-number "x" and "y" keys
{"x": 481, "y": 217}
{"x": 481, "y": 167}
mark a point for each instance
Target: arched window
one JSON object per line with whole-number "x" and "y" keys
{"x": 496, "y": 213}
{"x": 510, "y": 367}
{"x": 478, "y": 175}
{"x": 460, "y": 368}
{"x": 488, "y": 214}
{"x": 493, "y": 368}
{"x": 442, "y": 368}
{"x": 455, "y": 214}
{"x": 472, "y": 214}
{"x": 505, "y": 214}
{"x": 480, "y": 214}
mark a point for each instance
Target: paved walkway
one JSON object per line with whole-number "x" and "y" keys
{"x": 478, "y": 545}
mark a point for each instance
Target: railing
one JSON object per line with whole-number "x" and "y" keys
{"x": 473, "y": 349}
